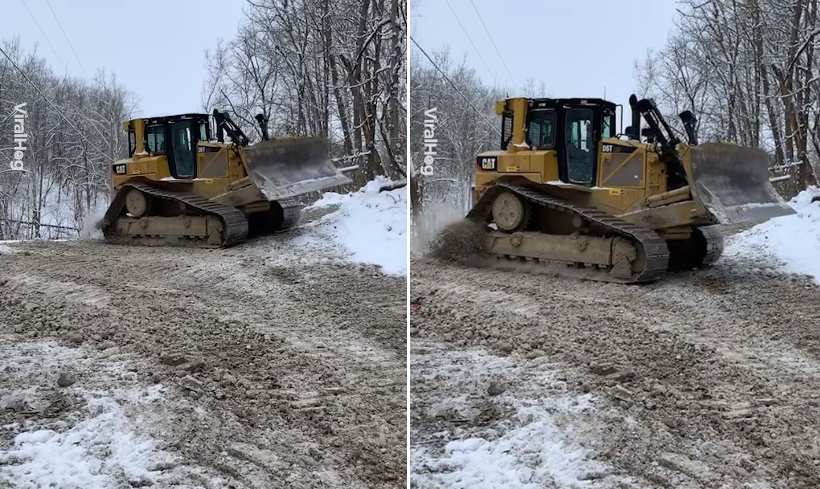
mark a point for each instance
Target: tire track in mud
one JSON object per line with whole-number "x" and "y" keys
{"x": 303, "y": 378}
{"x": 683, "y": 357}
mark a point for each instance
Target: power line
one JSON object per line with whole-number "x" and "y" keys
{"x": 470, "y": 39}
{"x": 43, "y": 33}
{"x": 512, "y": 78}
{"x": 455, "y": 87}
{"x": 67, "y": 39}
{"x": 79, "y": 132}
{"x": 76, "y": 56}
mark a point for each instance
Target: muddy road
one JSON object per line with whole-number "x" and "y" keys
{"x": 280, "y": 366}
{"x": 708, "y": 378}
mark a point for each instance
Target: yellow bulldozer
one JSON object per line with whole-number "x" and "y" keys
{"x": 566, "y": 190}
{"x": 180, "y": 186}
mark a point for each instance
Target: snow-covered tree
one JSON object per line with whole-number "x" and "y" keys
{"x": 750, "y": 69}
{"x": 73, "y": 133}
{"x": 320, "y": 68}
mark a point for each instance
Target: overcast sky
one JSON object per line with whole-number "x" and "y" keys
{"x": 165, "y": 64}
{"x": 576, "y": 47}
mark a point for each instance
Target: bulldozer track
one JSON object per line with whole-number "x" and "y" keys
{"x": 714, "y": 244}
{"x": 235, "y": 224}
{"x": 651, "y": 245}
{"x": 291, "y": 210}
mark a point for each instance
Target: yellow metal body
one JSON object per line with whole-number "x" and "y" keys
{"x": 631, "y": 185}
{"x": 221, "y": 170}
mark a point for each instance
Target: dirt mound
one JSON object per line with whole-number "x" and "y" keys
{"x": 458, "y": 242}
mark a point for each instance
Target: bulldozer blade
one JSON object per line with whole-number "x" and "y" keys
{"x": 733, "y": 183}
{"x": 283, "y": 168}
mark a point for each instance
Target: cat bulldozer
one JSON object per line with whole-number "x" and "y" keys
{"x": 179, "y": 186}
{"x": 566, "y": 191}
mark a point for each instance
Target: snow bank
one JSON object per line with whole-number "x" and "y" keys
{"x": 789, "y": 243}
{"x": 371, "y": 226}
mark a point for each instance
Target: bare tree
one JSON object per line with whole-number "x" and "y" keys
{"x": 74, "y": 133}
{"x": 748, "y": 69}
{"x": 323, "y": 69}
{"x": 462, "y": 130}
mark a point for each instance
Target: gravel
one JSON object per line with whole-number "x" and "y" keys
{"x": 247, "y": 333}
{"x": 708, "y": 378}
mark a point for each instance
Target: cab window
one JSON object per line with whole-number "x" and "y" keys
{"x": 607, "y": 124}
{"x": 184, "y": 160}
{"x": 541, "y": 128}
{"x": 506, "y": 129}
{"x": 580, "y": 143}
{"x": 203, "y": 131}
{"x": 155, "y": 138}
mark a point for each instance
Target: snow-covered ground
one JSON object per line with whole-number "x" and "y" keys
{"x": 5, "y": 249}
{"x": 535, "y": 433}
{"x": 789, "y": 243}
{"x": 369, "y": 226}
{"x": 89, "y": 434}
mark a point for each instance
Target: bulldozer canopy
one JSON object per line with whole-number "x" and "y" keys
{"x": 733, "y": 183}
{"x": 284, "y": 168}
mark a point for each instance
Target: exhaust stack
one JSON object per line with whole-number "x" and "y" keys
{"x": 634, "y": 130}
{"x": 263, "y": 124}
{"x": 689, "y": 122}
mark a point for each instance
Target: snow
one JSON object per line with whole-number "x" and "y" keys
{"x": 72, "y": 458}
{"x": 370, "y": 226}
{"x": 502, "y": 463}
{"x": 789, "y": 243}
{"x": 58, "y": 208}
{"x": 539, "y": 446}
{"x": 329, "y": 199}
{"x": 5, "y": 249}
{"x": 101, "y": 442}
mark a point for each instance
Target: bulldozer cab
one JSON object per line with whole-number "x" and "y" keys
{"x": 573, "y": 128}
{"x": 176, "y": 138}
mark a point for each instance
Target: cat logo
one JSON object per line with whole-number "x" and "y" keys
{"x": 120, "y": 169}
{"x": 487, "y": 163}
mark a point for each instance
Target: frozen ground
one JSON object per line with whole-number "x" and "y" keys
{"x": 369, "y": 226}
{"x": 273, "y": 365}
{"x": 705, "y": 379}
{"x": 482, "y": 420}
{"x": 80, "y": 418}
{"x": 789, "y": 243}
